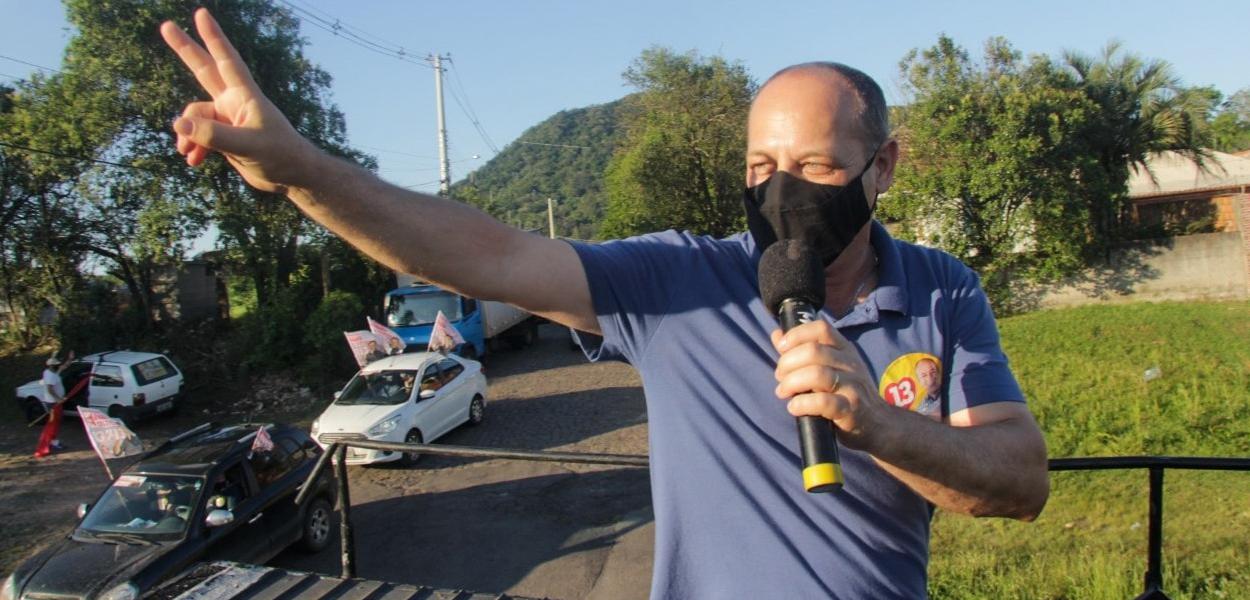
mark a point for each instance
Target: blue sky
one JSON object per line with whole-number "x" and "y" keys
{"x": 518, "y": 62}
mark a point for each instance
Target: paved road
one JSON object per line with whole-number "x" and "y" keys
{"x": 533, "y": 529}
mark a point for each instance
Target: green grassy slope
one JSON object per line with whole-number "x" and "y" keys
{"x": 1083, "y": 371}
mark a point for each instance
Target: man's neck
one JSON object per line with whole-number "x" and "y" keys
{"x": 853, "y": 275}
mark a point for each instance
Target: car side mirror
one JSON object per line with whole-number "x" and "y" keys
{"x": 337, "y": 394}
{"x": 426, "y": 394}
{"x": 218, "y": 517}
{"x": 82, "y": 510}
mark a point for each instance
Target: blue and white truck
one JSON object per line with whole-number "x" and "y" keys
{"x": 412, "y": 307}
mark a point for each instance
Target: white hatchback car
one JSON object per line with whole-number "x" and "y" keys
{"x": 123, "y": 384}
{"x": 413, "y": 398}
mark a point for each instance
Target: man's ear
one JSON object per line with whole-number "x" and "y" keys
{"x": 887, "y": 158}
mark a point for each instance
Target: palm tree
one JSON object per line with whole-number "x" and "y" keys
{"x": 1144, "y": 109}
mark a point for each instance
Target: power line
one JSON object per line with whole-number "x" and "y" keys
{"x": 82, "y": 158}
{"x": 554, "y": 145}
{"x": 337, "y": 28}
{"x": 407, "y": 169}
{"x": 345, "y": 25}
{"x": 468, "y": 108}
{"x": 30, "y": 64}
{"x": 422, "y": 184}
{"x": 376, "y": 149}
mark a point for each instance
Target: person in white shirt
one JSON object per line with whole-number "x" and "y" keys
{"x": 54, "y": 389}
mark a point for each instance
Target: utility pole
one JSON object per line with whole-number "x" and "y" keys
{"x": 551, "y": 217}
{"x": 444, "y": 166}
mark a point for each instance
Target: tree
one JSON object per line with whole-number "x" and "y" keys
{"x": 993, "y": 157}
{"x": 1229, "y": 129}
{"x": 40, "y": 228}
{"x": 1142, "y": 108}
{"x": 564, "y": 158}
{"x": 681, "y": 163}
{"x": 1020, "y": 167}
{"x": 116, "y": 51}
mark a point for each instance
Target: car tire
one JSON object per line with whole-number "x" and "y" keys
{"x": 31, "y": 408}
{"x": 318, "y": 526}
{"x": 411, "y": 458}
{"x": 531, "y": 334}
{"x": 477, "y": 410}
{"x": 123, "y": 413}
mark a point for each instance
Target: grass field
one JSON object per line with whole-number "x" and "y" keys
{"x": 1083, "y": 371}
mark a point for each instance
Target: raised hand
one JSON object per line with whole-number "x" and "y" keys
{"x": 239, "y": 122}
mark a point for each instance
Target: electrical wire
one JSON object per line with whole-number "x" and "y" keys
{"x": 345, "y": 25}
{"x": 82, "y": 158}
{"x": 387, "y": 150}
{"x": 467, "y": 107}
{"x": 349, "y": 34}
{"x": 556, "y": 145}
{"x": 30, "y": 64}
{"x": 422, "y": 184}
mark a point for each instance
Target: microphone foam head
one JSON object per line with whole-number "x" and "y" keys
{"x": 791, "y": 269}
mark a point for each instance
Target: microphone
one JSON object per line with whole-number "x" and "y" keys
{"x": 792, "y": 284}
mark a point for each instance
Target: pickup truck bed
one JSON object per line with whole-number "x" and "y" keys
{"x": 225, "y": 580}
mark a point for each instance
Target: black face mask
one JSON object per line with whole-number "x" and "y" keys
{"x": 825, "y": 217}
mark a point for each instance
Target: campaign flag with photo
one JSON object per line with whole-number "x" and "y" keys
{"x": 262, "y": 442}
{"x": 109, "y": 437}
{"x": 444, "y": 337}
{"x": 391, "y": 342}
{"x": 360, "y": 343}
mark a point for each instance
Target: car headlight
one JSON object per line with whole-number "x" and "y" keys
{"x": 125, "y": 591}
{"x": 9, "y": 590}
{"x": 383, "y": 427}
{"x": 316, "y": 427}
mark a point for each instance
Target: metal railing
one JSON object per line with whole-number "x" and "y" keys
{"x": 1155, "y": 465}
{"x": 338, "y": 450}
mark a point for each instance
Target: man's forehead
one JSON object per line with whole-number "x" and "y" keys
{"x": 808, "y": 99}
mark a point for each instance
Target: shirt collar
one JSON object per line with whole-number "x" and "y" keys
{"x": 891, "y": 277}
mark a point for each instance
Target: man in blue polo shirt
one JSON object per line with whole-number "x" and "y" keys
{"x": 722, "y": 383}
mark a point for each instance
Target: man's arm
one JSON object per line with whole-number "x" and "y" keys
{"x": 989, "y": 460}
{"x": 446, "y": 242}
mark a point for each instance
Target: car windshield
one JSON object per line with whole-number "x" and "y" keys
{"x": 144, "y": 504}
{"x": 421, "y": 309}
{"x": 379, "y": 387}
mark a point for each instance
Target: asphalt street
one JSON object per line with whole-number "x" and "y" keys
{"x": 527, "y": 528}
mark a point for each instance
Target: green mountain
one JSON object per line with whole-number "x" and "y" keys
{"x": 562, "y": 158}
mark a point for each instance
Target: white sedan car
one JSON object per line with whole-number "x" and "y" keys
{"x": 404, "y": 398}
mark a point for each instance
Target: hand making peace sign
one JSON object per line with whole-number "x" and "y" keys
{"x": 239, "y": 121}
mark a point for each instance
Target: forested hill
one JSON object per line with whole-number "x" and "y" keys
{"x": 562, "y": 158}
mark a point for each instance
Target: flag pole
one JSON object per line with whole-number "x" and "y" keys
{"x": 107, "y": 470}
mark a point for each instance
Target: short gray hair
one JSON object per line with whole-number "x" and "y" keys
{"x": 874, "y": 116}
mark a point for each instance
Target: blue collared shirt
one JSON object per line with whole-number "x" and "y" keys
{"x": 732, "y": 518}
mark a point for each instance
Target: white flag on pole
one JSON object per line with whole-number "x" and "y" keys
{"x": 109, "y": 437}
{"x": 444, "y": 337}
{"x": 262, "y": 442}
{"x": 393, "y": 344}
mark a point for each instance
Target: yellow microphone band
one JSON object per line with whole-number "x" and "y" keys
{"x": 824, "y": 477}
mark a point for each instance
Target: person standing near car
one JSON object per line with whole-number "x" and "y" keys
{"x": 54, "y": 403}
